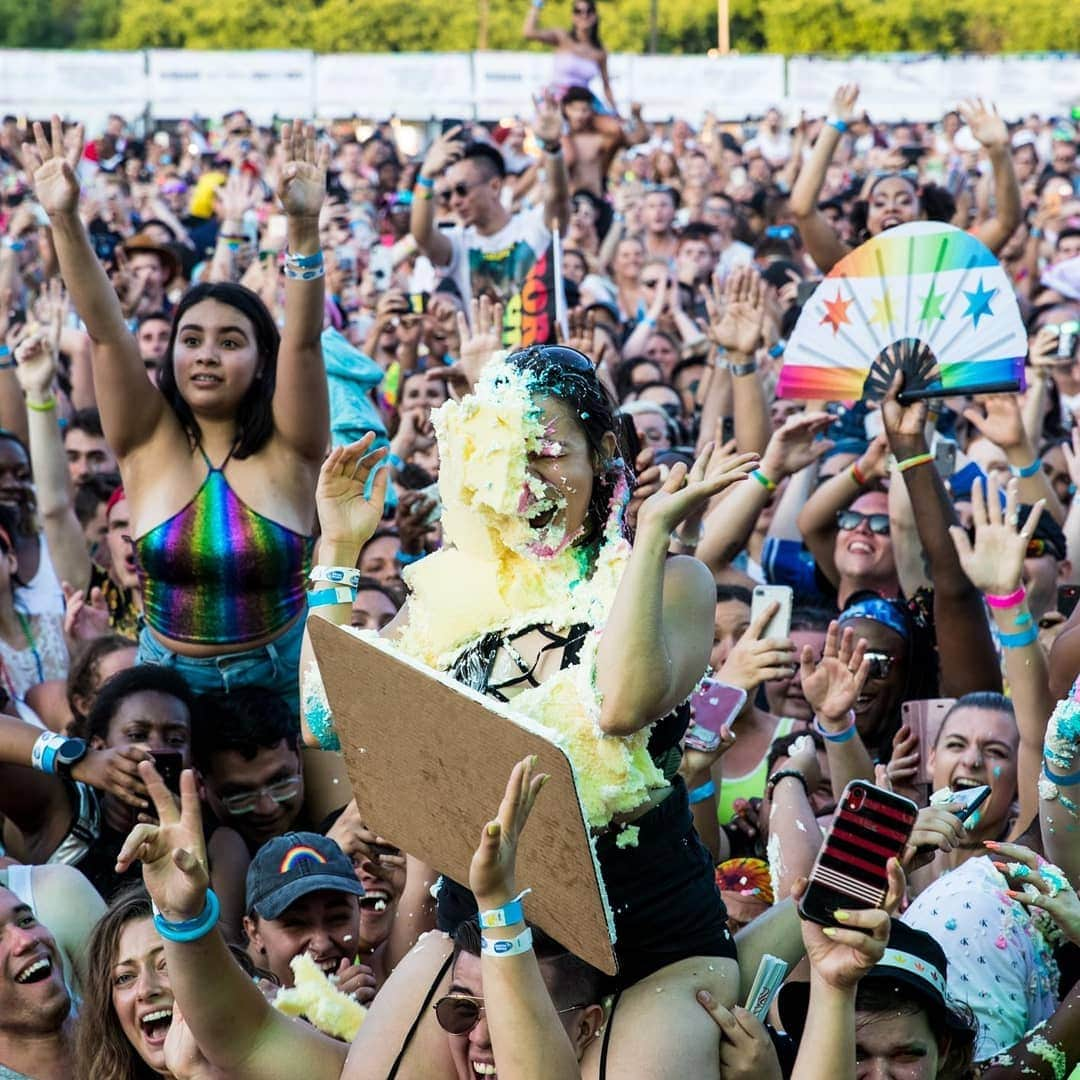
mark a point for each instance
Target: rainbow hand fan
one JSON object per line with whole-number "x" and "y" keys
{"x": 924, "y": 298}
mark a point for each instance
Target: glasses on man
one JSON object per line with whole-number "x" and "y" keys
{"x": 280, "y": 791}
{"x": 461, "y": 189}
{"x": 443, "y": 195}
{"x": 458, "y": 1014}
{"x": 850, "y": 520}
{"x": 880, "y": 664}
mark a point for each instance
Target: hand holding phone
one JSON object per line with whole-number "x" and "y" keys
{"x": 779, "y": 626}
{"x": 169, "y": 764}
{"x": 715, "y": 705}
{"x": 871, "y": 827}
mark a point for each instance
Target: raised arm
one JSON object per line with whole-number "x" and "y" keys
{"x": 531, "y": 30}
{"x": 825, "y": 247}
{"x": 988, "y": 127}
{"x": 735, "y": 323}
{"x": 131, "y": 406}
{"x": 968, "y": 659}
{"x": 527, "y": 1037}
{"x": 548, "y": 128}
{"x": 301, "y": 399}
{"x": 36, "y": 371}
{"x": 236, "y": 1028}
{"x": 442, "y": 153}
{"x": 657, "y": 640}
{"x": 995, "y": 565}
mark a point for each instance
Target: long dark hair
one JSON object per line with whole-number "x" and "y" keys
{"x": 594, "y": 30}
{"x": 937, "y": 203}
{"x": 103, "y": 1051}
{"x": 569, "y": 376}
{"x": 255, "y": 413}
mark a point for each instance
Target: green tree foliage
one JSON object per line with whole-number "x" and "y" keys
{"x": 684, "y": 26}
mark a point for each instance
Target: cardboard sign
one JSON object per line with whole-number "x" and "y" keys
{"x": 429, "y": 760}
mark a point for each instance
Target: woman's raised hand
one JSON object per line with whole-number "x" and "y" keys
{"x": 53, "y": 162}
{"x": 832, "y": 684}
{"x": 481, "y": 337}
{"x": 844, "y": 101}
{"x": 995, "y": 564}
{"x": 173, "y": 852}
{"x": 302, "y": 182}
{"x": 347, "y": 515}
{"x": 736, "y": 321}
{"x": 685, "y": 491}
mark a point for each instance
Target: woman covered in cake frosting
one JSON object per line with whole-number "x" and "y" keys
{"x": 542, "y": 600}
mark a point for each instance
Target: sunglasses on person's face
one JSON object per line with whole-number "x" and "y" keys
{"x": 443, "y": 196}
{"x": 458, "y": 1014}
{"x": 850, "y": 520}
{"x": 583, "y": 11}
{"x": 461, "y": 189}
{"x": 880, "y": 664}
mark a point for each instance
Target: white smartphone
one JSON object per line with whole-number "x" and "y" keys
{"x": 779, "y": 626}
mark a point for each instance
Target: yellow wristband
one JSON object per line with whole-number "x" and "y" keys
{"x": 912, "y": 462}
{"x": 42, "y": 406}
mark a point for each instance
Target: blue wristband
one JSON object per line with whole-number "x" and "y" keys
{"x": 340, "y": 594}
{"x": 304, "y": 262}
{"x": 836, "y": 736}
{"x": 512, "y": 912}
{"x": 405, "y": 559}
{"x": 395, "y": 462}
{"x": 1062, "y": 781}
{"x": 4, "y": 351}
{"x": 700, "y": 794}
{"x": 1027, "y": 470}
{"x": 190, "y": 929}
{"x": 1018, "y": 641}
{"x": 425, "y": 181}
{"x": 836, "y": 122}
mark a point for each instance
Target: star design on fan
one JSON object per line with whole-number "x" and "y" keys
{"x": 836, "y": 313}
{"x": 883, "y": 310}
{"x": 931, "y": 306}
{"x": 979, "y": 303}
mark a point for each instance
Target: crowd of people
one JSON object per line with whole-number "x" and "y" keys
{"x": 238, "y": 365}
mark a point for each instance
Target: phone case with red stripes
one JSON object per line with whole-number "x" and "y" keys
{"x": 871, "y": 826}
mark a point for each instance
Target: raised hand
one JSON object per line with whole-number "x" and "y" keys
{"x": 172, "y": 852}
{"x": 648, "y": 478}
{"x": 840, "y": 956}
{"x": 998, "y": 417}
{"x": 53, "y": 163}
{"x": 481, "y": 336}
{"x": 347, "y": 515}
{"x": 795, "y": 445}
{"x": 492, "y": 870}
{"x": 443, "y": 152}
{"x": 237, "y": 196}
{"x": 302, "y": 181}
{"x": 35, "y": 360}
{"x": 548, "y": 125}
{"x": 85, "y": 618}
{"x": 985, "y": 123}
{"x": 843, "y": 103}
{"x": 995, "y": 564}
{"x": 736, "y": 319}
{"x": 684, "y": 491}
{"x": 833, "y": 683}
{"x": 905, "y": 425}
{"x": 115, "y": 771}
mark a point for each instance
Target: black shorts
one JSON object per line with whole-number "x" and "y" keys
{"x": 662, "y": 893}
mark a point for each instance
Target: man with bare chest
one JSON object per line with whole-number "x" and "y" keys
{"x": 592, "y": 141}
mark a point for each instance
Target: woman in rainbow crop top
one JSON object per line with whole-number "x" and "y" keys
{"x": 220, "y": 463}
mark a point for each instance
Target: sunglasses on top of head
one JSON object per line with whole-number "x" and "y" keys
{"x": 850, "y": 520}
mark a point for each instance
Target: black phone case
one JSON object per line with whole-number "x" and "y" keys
{"x": 169, "y": 765}
{"x": 871, "y": 826}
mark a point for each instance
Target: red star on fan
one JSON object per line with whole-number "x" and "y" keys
{"x": 836, "y": 312}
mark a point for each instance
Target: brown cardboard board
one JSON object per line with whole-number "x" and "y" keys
{"x": 429, "y": 761}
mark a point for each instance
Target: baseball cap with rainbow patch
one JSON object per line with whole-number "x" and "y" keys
{"x": 291, "y": 866}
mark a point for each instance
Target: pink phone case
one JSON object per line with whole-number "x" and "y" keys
{"x": 925, "y": 718}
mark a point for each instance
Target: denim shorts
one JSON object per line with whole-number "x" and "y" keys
{"x": 274, "y": 666}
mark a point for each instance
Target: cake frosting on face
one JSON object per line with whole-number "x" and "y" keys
{"x": 511, "y": 561}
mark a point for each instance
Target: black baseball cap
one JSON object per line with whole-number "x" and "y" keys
{"x": 913, "y": 961}
{"x": 291, "y": 866}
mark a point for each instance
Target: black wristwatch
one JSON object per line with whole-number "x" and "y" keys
{"x": 68, "y": 756}
{"x": 747, "y": 368}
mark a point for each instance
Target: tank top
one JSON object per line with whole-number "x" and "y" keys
{"x": 572, "y": 69}
{"x": 750, "y": 785}
{"x": 220, "y": 573}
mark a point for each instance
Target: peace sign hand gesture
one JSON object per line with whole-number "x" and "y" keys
{"x": 172, "y": 852}
{"x": 53, "y": 164}
{"x": 302, "y": 182}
